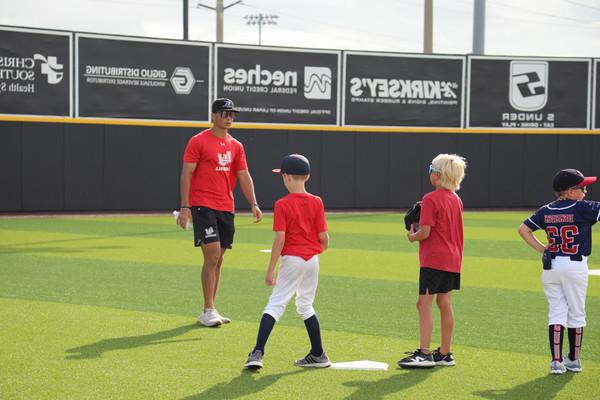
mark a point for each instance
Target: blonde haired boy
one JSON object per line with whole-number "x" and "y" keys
{"x": 440, "y": 237}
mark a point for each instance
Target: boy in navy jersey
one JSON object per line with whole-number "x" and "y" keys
{"x": 568, "y": 224}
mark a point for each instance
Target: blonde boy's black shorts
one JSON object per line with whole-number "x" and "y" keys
{"x": 212, "y": 226}
{"x": 435, "y": 281}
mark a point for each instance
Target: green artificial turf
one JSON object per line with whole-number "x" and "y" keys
{"x": 106, "y": 307}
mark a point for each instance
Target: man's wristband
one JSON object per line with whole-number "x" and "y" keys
{"x": 255, "y": 205}
{"x": 184, "y": 208}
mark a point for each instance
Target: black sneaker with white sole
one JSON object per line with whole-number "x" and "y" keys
{"x": 446, "y": 360}
{"x": 311, "y": 361}
{"x": 255, "y": 360}
{"x": 417, "y": 359}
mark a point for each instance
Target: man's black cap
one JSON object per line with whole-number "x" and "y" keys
{"x": 294, "y": 164}
{"x": 223, "y": 105}
{"x": 568, "y": 178}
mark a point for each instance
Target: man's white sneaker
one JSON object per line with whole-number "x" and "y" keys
{"x": 210, "y": 318}
{"x": 224, "y": 320}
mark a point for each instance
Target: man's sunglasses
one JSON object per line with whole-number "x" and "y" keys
{"x": 226, "y": 114}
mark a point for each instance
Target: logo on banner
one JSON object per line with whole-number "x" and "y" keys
{"x": 20, "y": 75}
{"x": 51, "y": 68}
{"x": 317, "y": 83}
{"x": 528, "y": 85}
{"x": 261, "y": 82}
{"x": 403, "y": 91}
{"x": 182, "y": 80}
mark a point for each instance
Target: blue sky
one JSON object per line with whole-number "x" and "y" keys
{"x": 534, "y": 28}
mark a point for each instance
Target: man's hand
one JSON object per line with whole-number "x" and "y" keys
{"x": 184, "y": 216}
{"x": 270, "y": 278}
{"x": 257, "y": 213}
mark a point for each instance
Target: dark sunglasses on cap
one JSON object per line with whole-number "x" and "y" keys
{"x": 226, "y": 114}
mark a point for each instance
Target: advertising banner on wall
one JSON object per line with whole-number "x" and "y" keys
{"x": 142, "y": 79}
{"x": 509, "y": 92}
{"x": 596, "y": 102}
{"x": 403, "y": 90}
{"x": 276, "y": 85}
{"x": 35, "y": 72}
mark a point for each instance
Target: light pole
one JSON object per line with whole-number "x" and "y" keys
{"x": 220, "y": 8}
{"x": 260, "y": 20}
{"x": 185, "y": 19}
{"x": 479, "y": 27}
{"x": 428, "y": 27}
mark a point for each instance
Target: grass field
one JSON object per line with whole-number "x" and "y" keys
{"x": 106, "y": 308}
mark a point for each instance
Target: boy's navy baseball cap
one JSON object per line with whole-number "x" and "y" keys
{"x": 568, "y": 178}
{"x": 294, "y": 164}
{"x": 223, "y": 105}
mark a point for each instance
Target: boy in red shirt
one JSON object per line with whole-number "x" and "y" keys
{"x": 300, "y": 236}
{"x": 440, "y": 236}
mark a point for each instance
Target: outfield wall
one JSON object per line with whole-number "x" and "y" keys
{"x": 99, "y": 122}
{"x": 70, "y": 166}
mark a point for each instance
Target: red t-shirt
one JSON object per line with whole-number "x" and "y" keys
{"x": 302, "y": 217}
{"x": 443, "y": 249}
{"x": 217, "y": 161}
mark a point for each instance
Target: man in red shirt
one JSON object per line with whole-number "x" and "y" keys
{"x": 212, "y": 162}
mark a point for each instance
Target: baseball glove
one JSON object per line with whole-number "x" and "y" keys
{"x": 412, "y": 215}
{"x": 547, "y": 259}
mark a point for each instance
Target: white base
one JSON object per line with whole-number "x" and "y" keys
{"x": 364, "y": 365}
{"x": 265, "y": 251}
{"x": 594, "y": 272}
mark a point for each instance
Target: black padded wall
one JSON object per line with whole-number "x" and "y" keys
{"x": 83, "y": 167}
{"x": 11, "y": 173}
{"x": 43, "y": 167}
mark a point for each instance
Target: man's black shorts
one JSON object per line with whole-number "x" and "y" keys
{"x": 213, "y": 226}
{"x": 435, "y": 281}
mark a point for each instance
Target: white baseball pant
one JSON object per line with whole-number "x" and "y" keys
{"x": 299, "y": 277}
{"x": 565, "y": 286}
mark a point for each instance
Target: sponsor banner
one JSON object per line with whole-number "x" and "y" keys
{"x": 35, "y": 72}
{"x": 596, "y": 102}
{"x": 275, "y": 85}
{"x": 142, "y": 79}
{"x": 528, "y": 93}
{"x": 403, "y": 90}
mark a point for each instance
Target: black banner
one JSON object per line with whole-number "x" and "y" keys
{"x": 528, "y": 93}
{"x": 272, "y": 85}
{"x": 35, "y": 72}
{"x": 142, "y": 79}
{"x": 596, "y": 109}
{"x": 402, "y": 90}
